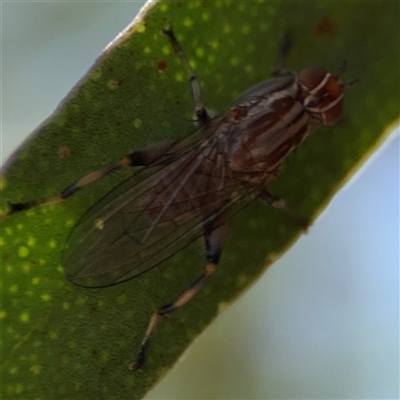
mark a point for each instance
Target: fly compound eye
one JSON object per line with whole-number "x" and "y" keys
{"x": 311, "y": 78}
{"x": 321, "y": 94}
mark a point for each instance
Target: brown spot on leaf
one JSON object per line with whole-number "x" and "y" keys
{"x": 161, "y": 65}
{"x": 114, "y": 83}
{"x": 64, "y": 152}
{"x": 325, "y": 27}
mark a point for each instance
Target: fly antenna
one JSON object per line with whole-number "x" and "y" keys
{"x": 350, "y": 83}
{"x": 342, "y": 69}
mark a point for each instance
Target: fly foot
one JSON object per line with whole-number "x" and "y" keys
{"x": 138, "y": 365}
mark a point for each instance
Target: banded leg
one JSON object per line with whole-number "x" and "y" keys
{"x": 202, "y": 116}
{"x": 147, "y": 156}
{"x": 277, "y": 202}
{"x": 214, "y": 239}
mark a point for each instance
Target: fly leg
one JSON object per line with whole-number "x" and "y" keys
{"x": 201, "y": 114}
{"x": 214, "y": 238}
{"x": 159, "y": 152}
{"x": 284, "y": 48}
{"x": 277, "y": 202}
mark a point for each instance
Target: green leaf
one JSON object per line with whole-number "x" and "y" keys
{"x": 65, "y": 341}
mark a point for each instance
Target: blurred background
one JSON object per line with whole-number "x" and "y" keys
{"x": 326, "y": 314}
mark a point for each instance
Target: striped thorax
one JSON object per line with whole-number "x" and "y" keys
{"x": 273, "y": 117}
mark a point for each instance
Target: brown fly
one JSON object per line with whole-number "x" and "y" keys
{"x": 190, "y": 188}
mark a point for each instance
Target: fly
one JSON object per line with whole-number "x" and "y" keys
{"x": 190, "y": 188}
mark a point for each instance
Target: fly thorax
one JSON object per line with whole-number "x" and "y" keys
{"x": 273, "y": 128}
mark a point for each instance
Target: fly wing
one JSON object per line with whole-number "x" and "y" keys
{"x": 151, "y": 216}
